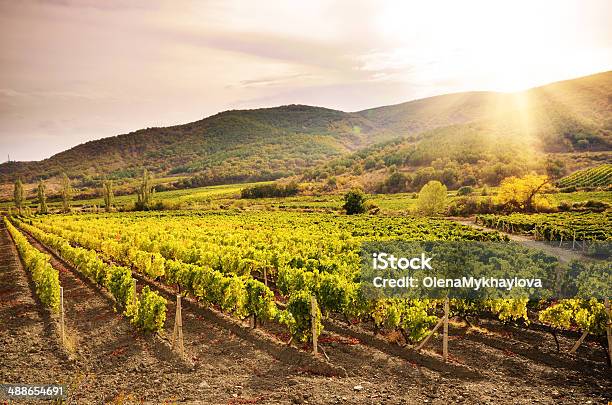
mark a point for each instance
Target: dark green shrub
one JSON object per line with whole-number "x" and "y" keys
{"x": 270, "y": 190}
{"x": 465, "y": 190}
{"x": 354, "y": 202}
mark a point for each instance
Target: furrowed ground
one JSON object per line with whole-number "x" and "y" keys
{"x": 111, "y": 362}
{"x": 28, "y": 341}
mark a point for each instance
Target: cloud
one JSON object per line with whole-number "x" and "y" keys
{"x": 275, "y": 80}
{"x": 300, "y": 51}
{"x": 96, "y": 4}
{"x": 10, "y": 93}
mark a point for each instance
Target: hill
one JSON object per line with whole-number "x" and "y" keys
{"x": 265, "y": 143}
{"x": 269, "y": 143}
{"x": 419, "y": 115}
{"x": 237, "y": 145}
{"x": 571, "y": 115}
{"x": 555, "y": 128}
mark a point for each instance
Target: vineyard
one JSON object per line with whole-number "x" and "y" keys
{"x": 296, "y": 277}
{"x": 223, "y": 259}
{"x": 218, "y": 258}
{"x": 302, "y": 204}
{"x": 600, "y": 176}
{"x": 582, "y": 226}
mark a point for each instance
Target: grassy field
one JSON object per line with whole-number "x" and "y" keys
{"x": 396, "y": 203}
{"x": 187, "y": 198}
{"x": 224, "y": 196}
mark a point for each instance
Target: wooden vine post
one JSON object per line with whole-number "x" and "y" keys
{"x": 135, "y": 291}
{"x": 177, "y": 335}
{"x": 445, "y": 338}
{"x": 579, "y": 342}
{"x": 265, "y": 276}
{"x": 62, "y": 327}
{"x": 313, "y": 323}
{"x": 608, "y": 331}
{"x": 441, "y": 323}
{"x": 609, "y": 327}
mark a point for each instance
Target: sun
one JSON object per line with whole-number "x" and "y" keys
{"x": 484, "y": 45}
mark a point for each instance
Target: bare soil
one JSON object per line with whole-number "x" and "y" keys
{"x": 108, "y": 362}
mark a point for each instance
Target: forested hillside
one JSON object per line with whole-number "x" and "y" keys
{"x": 555, "y": 129}
{"x": 229, "y": 146}
{"x": 242, "y": 145}
{"x": 470, "y": 138}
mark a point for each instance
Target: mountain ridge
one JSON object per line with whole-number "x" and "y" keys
{"x": 274, "y": 142}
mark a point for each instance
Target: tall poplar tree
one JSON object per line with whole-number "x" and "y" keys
{"x": 144, "y": 193}
{"x": 66, "y": 193}
{"x": 42, "y": 198}
{"x": 18, "y": 195}
{"x": 108, "y": 194}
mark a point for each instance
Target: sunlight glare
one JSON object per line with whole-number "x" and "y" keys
{"x": 492, "y": 45}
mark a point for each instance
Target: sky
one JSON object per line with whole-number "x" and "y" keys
{"x": 78, "y": 70}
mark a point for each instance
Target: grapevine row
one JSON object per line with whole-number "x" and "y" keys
{"x": 599, "y": 176}
{"x": 147, "y": 311}
{"x": 149, "y": 247}
{"x": 244, "y": 296}
{"x": 554, "y": 227}
{"x": 45, "y": 277}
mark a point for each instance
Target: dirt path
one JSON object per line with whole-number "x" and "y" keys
{"x": 564, "y": 255}
{"x": 29, "y": 346}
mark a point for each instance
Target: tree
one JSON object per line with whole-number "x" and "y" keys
{"x": 270, "y": 190}
{"x": 369, "y": 163}
{"x": 465, "y": 190}
{"x": 107, "y": 190}
{"x": 555, "y": 168}
{"x": 66, "y": 193}
{"x": 524, "y": 193}
{"x": 18, "y": 195}
{"x": 432, "y": 198}
{"x": 395, "y": 183}
{"x": 331, "y": 184}
{"x": 582, "y": 144}
{"x": 42, "y": 198}
{"x": 144, "y": 193}
{"x": 354, "y": 202}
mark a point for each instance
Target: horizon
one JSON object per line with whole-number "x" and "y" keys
{"x": 75, "y": 71}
